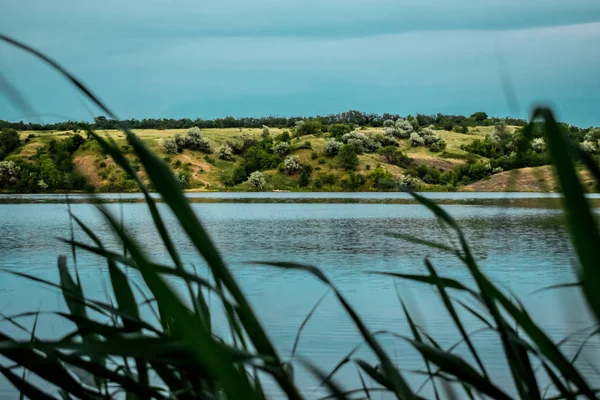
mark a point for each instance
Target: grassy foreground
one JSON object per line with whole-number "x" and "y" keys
{"x": 182, "y": 357}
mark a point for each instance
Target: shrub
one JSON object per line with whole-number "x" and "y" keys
{"x": 183, "y": 178}
{"x": 322, "y": 160}
{"x": 314, "y": 155}
{"x": 280, "y": 148}
{"x": 328, "y": 179}
{"x": 283, "y": 137}
{"x": 348, "y": 157}
{"x": 437, "y": 146}
{"x": 102, "y": 164}
{"x": 361, "y": 142}
{"x": 265, "y": 132}
{"x": 416, "y": 140}
{"x": 538, "y": 145}
{"x": 225, "y": 152}
{"x": 394, "y": 156}
{"x": 388, "y": 123}
{"x": 209, "y": 159}
{"x": 42, "y": 184}
{"x": 400, "y": 129}
{"x": 9, "y": 141}
{"x": 195, "y": 141}
{"x": 381, "y": 178}
{"x": 9, "y": 173}
{"x": 304, "y": 128}
{"x": 292, "y": 164}
{"x": 332, "y": 147}
{"x": 257, "y": 181}
{"x": 305, "y": 176}
{"x": 170, "y": 146}
{"x": 408, "y": 182}
{"x": 338, "y": 130}
{"x": 180, "y": 141}
{"x": 589, "y": 146}
{"x": 353, "y": 181}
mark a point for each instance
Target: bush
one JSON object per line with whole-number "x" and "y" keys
{"x": 361, "y": 142}
{"x": 381, "y": 178}
{"x": 169, "y": 146}
{"x": 314, "y": 155}
{"x": 332, "y": 147}
{"x": 233, "y": 177}
{"x": 416, "y": 140}
{"x": 408, "y": 182}
{"x": 589, "y": 147}
{"x": 388, "y": 123}
{"x": 400, "y": 129}
{"x": 348, "y": 157}
{"x": 322, "y": 160}
{"x": 328, "y": 179}
{"x": 305, "y": 176}
{"x": 283, "y": 137}
{"x": 9, "y": 173}
{"x": 9, "y": 141}
{"x": 437, "y": 146}
{"x": 336, "y": 131}
{"x": 304, "y": 128}
{"x": 353, "y": 181}
{"x": 102, "y": 164}
{"x": 292, "y": 164}
{"x": 280, "y": 148}
{"x": 225, "y": 152}
{"x": 538, "y": 145}
{"x": 257, "y": 181}
{"x": 265, "y": 132}
{"x": 195, "y": 141}
{"x": 392, "y": 155}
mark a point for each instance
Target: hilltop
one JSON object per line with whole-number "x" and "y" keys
{"x": 309, "y": 156}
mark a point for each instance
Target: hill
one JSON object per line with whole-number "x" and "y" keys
{"x": 387, "y": 158}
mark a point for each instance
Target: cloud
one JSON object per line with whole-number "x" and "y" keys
{"x": 209, "y": 61}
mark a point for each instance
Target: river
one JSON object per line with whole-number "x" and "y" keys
{"x": 523, "y": 246}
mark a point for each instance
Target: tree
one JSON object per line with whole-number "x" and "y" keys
{"x": 257, "y": 181}
{"x": 478, "y": 117}
{"x": 170, "y": 146}
{"x": 292, "y": 164}
{"x": 348, "y": 157}
{"x": 309, "y": 128}
{"x": 332, "y": 147}
{"x": 416, "y": 140}
{"x": 225, "y": 152}
{"x": 338, "y": 130}
{"x": 9, "y": 140}
{"x": 305, "y": 176}
{"x": 280, "y": 148}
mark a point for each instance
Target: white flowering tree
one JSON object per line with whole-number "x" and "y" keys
{"x": 9, "y": 173}
{"x": 257, "y": 181}
{"x": 332, "y": 147}
{"x": 292, "y": 164}
{"x": 408, "y": 182}
{"x": 361, "y": 142}
{"x": 589, "y": 147}
{"x": 538, "y": 145}
{"x": 225, "y": 152}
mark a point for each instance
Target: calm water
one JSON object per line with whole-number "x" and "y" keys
{"x": 521, "y": 248}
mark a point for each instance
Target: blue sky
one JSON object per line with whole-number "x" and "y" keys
{"x": 207, "y": 58}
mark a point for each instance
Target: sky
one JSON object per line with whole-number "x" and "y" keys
{"x": 214, "y": 58}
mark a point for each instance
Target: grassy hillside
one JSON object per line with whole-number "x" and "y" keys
{"x": 206, "y": 172}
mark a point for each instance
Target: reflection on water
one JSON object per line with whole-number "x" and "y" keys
{"x": 524, "y": 249}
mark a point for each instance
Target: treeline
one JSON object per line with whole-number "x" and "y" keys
{"x": 457, "y": 123}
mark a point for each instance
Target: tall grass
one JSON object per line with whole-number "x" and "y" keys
{"x": 116, "y": 351}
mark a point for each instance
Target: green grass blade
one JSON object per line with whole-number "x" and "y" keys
{"x": 448, "y": 282}
{"x": 209, "y": 353}
{"x": 305, "y": 321}
{"x": 362, "y": 383}
{"x": 417, "y": 337}
{"x": 335, "y": 389}
{"x": 455, "y": 318}
{"x": 399, "y": 385}
{"x": 26, "y": 388}
{"x": 581, "y": 221}
{"x": 456, "y": 366}
{"x": 374, "y": 374}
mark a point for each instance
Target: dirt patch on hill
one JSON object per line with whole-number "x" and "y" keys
{"x": 84, "y": 166}
{"x": 535, "y": 179}
{"x": 194, "y": 162}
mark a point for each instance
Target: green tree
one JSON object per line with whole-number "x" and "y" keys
{"x": 348, "y": 157}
